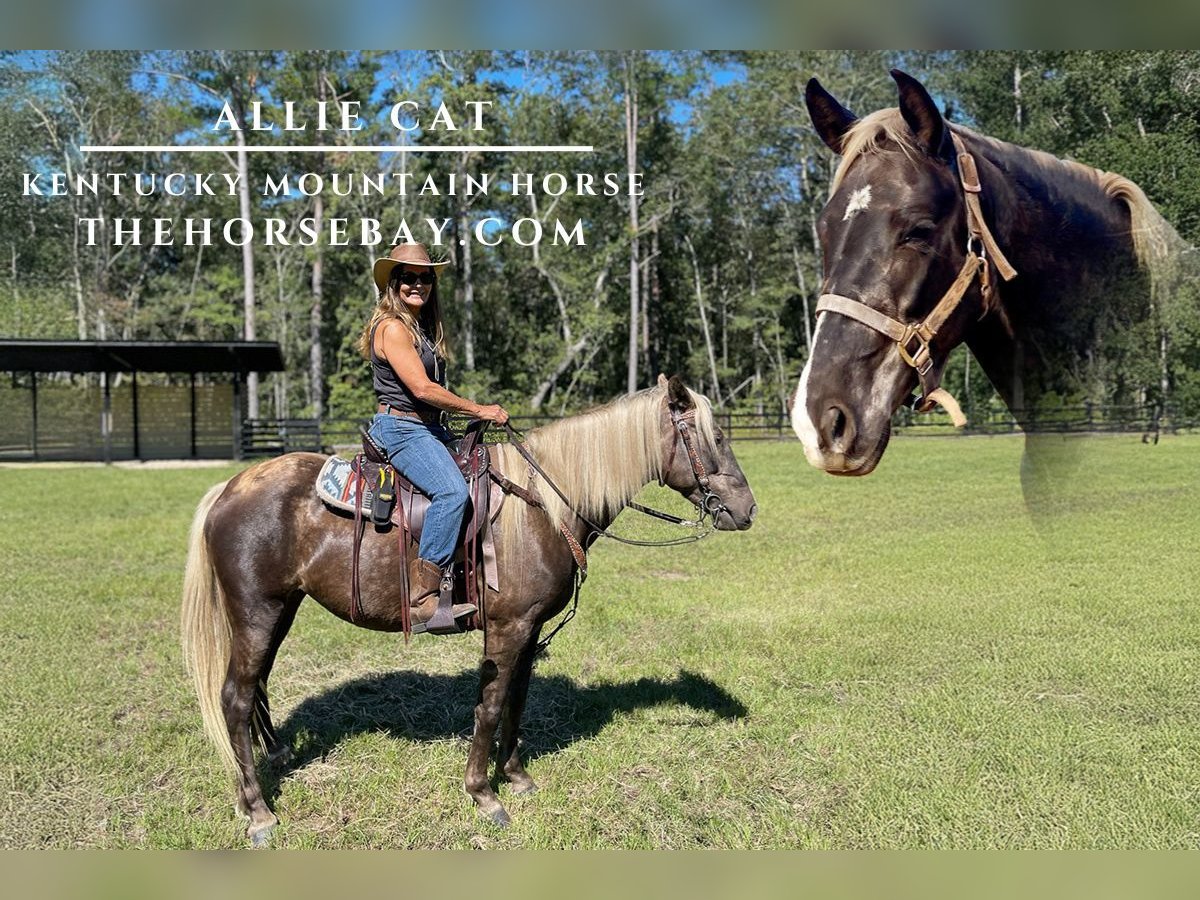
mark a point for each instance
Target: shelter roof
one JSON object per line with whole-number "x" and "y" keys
{"x": 18, "y": 355}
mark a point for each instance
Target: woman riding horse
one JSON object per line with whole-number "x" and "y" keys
{"x": 405, "y": 343}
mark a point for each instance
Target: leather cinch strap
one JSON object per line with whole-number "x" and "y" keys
{"x": 912, "y": 341}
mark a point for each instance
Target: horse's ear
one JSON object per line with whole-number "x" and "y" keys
{"x": 662, "y": 380}
{"x": 830, "y": 118}
{"x": 678, "y": 395}
{"x": 922, "y": 116}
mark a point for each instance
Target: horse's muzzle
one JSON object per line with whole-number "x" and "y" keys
{"x": 727, "y": 520}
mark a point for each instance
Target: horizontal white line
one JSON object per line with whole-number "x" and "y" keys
{"x": 333, "y": 148}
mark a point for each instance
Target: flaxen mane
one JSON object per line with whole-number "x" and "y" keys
{"x": 1154, "y": 240}
{"x": 599, "y": 459}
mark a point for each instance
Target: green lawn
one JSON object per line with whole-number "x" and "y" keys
{"x": 897, "y": 661}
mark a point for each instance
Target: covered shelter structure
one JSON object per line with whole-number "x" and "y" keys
{"x": 83, "y": 400}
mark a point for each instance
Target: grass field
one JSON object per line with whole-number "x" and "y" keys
{"x": 896, "y": 661}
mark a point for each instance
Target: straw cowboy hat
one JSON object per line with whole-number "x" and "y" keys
{"x": 402, "y": 255}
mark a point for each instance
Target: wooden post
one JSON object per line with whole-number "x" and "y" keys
{"x": 237, "y": 415}
{"x": 33, "y": 378}
{"x": 137, "y": 440}
{"x": 106, "y": 415}
{"x": 192, "y": 419}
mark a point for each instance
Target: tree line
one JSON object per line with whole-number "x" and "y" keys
{"x": 711, "y": 270}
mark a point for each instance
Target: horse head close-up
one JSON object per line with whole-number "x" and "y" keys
{"x": 935, "y": 235}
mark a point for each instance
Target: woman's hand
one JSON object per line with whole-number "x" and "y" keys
{"x": 493, "y": 413}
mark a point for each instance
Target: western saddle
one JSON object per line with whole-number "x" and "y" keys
{"x": 389, "y": 499}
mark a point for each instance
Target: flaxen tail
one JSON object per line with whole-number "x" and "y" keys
{"x": 206, "y": 631}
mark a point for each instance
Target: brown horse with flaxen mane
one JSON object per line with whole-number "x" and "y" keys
{"x": 263, "y": 541}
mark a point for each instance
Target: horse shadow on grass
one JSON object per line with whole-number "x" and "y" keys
{"x": 416, "y": 706}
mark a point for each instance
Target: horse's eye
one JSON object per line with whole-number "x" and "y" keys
{"x": 919, "y": 235}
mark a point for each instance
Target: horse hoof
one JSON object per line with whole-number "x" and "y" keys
{"x": 280, "y": 757}
{"x": 262, "y": 837}
{"x": 497, "y": 817}
{"x": 524, "y": 789}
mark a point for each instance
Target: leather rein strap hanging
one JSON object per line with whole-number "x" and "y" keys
{"x": 913, "y": 340}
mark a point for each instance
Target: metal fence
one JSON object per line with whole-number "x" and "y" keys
{"x": 271, "y": 437}
{"x": 76, "y": 418}
{"x": 264, "y": 437}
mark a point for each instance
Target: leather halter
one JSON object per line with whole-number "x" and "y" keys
{"x": 912, "y": 341}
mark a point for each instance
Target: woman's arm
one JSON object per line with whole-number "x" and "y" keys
{"x": 406, "y": 363}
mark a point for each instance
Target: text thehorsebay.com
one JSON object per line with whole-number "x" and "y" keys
{"x": 282, "y": 189}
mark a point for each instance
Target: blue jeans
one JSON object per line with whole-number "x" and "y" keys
{"x": 418, "y": 451}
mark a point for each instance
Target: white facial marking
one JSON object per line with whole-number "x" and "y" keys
{"x": 883, "y": 380}
{"x": 859, "y": 201}
{"x": 883, "y": 384}
{"x": 802, "y": 423}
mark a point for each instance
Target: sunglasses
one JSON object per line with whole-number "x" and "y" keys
{"x": 411, "y": 278}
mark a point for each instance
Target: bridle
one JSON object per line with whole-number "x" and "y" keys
{"x": 912, "y": 341}
{"x": 710, "y": 505}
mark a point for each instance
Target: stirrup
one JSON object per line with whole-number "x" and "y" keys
{"x": 445, "y": 618}
{"x": 448, "y": 623}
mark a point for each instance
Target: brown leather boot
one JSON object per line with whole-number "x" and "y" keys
{"x": 424, "y": 589}
{"x": 424, "y": 578}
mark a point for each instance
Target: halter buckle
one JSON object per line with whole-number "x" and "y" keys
{"x": 921, "y": 359}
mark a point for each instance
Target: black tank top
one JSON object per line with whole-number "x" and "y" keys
{"x": 391, "y": 390}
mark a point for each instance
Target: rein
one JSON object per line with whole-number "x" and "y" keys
{"x": 912, "y": 341}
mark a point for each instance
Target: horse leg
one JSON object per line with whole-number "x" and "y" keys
{"x": 509, "y": 757}
{"x": 250, "y": 652}
{"x": 277, "y": 754}
{"x": 495, "y": 676}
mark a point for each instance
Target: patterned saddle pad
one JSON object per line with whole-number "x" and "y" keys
{"x": 338, "y": 487}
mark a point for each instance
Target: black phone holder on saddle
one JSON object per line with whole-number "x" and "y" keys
{"x": 384, "y": 500}
{"x": 383, "y": 497}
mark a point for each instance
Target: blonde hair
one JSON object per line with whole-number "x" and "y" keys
{"x": 392, "y": 306}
